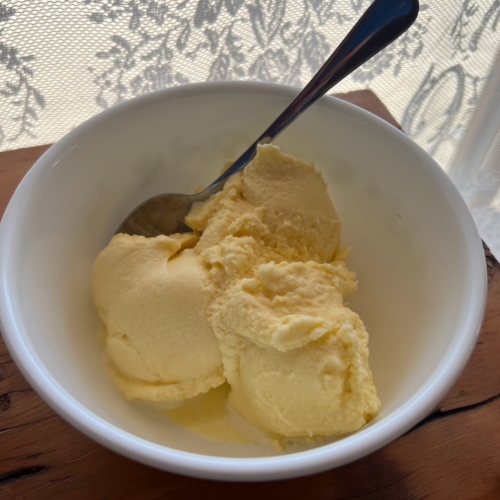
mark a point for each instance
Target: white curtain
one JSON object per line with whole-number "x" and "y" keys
{"x": 62, "y": 61}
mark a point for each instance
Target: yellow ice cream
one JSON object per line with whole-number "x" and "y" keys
{"x": 148, "y": 295}
{"x": 295, "y": 357}
{"x": 257, "y": 300}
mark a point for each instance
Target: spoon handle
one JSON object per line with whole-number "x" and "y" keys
{"x": 381, "y": 24}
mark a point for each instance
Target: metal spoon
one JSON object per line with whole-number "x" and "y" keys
{"x": 381, "y": 24}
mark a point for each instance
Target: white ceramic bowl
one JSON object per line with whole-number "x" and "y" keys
{"x": 416, "y": 250}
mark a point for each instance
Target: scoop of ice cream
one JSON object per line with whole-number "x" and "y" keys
{"x": 296, "y": 358}
{"x": 148, "y": 292}
{"x": 278, "y": 198}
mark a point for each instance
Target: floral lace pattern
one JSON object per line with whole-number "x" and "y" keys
{"x": 145, "y": 45}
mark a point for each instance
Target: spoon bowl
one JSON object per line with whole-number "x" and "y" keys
{"x": 162, "y": 214}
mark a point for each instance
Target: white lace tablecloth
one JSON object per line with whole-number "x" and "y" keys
{"x": 63, "y": 61}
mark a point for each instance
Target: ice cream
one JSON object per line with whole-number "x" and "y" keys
{"x": 295, "y": 357}
{"x": 258, "y": 301}
{"x": 148, "y": 292}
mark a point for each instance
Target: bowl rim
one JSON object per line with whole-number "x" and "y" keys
{"x": 348, "y": 449}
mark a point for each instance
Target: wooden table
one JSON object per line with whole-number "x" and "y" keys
{"x": 453, "y": 453}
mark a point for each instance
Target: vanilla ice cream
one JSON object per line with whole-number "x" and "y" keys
{"x": 295, "y": 357}
{"x": 255, "y": 296}
{"x": 148, "y": 292}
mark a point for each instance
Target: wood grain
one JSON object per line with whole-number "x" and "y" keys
{"x": 13, "y": 167}
{"x": 369, "y": 101}
{"x": 453, "y": 453}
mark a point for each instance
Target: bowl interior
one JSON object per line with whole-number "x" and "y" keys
{"x": 409, "y": 250}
